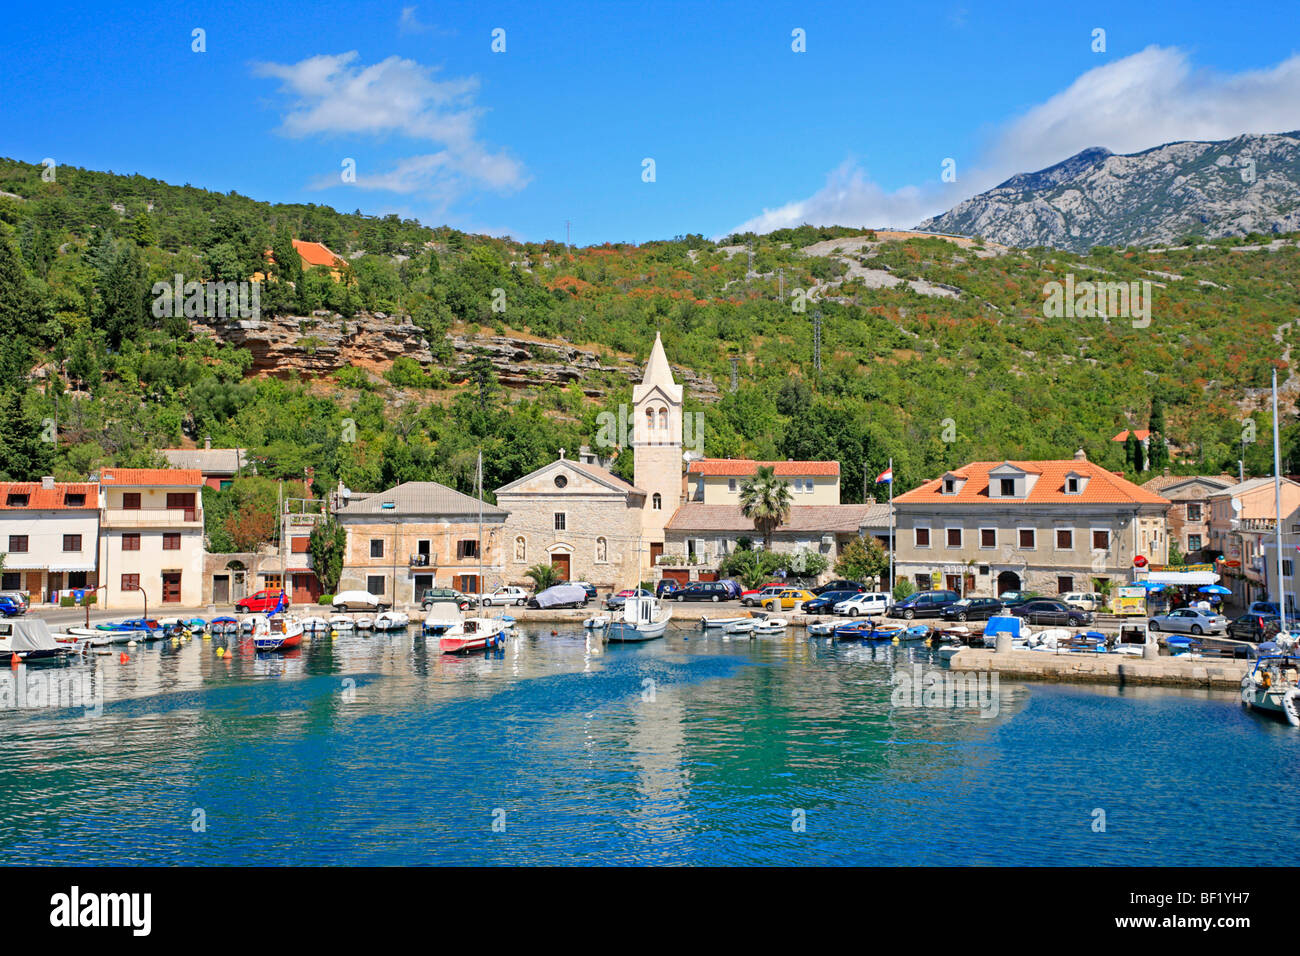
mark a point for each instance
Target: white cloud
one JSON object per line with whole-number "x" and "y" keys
{"x": 1135, "y": 103}
{"x": 331, "y": 95}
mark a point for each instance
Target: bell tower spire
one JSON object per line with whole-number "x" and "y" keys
{"x": 657, "y": 446}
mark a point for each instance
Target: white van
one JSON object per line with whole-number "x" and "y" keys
{"x": 866, "y": 603}
{"x": 1085, "y": 600}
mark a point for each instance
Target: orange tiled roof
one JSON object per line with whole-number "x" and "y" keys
{"x": 151, "y": 476}
{"x": 1103, "y": 487}
{"x": 315, "y": 254}
{"x": 744, "y": 467}
{"x": 49, "y": 499}
{"x": 1142, "y": 434}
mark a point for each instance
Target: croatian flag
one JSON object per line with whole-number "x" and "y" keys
{"x": 886, "y": 475}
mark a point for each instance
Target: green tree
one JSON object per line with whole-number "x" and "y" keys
{"x": 863, "y": 558}
{"x": 902, "y": 589}
{"x": 751, "y": 568}
{"x": 327, "y": 544}
{"x": 766, "y": 501}
{"x": 1158, "y": 451}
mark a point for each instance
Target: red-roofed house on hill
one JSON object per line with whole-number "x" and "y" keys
{"x": 1046, "y": 526}
{"x": 151, "y": 537}
{"x": 312, "y": 254}
{"x": 49, "y": 533}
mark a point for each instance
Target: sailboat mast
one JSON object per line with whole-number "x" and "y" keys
{"x": 480, "y": 527}
{"x": 1277, "y": 506}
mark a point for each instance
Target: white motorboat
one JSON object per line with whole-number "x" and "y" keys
{"x": 391, "y": 620}
{"x": 1273, "y": 684}
{"x": 111, "y": 637}
{"x": 770, "y": 625}
{"x": 474, "y": 634}
{"x": 365, "y": 623}
{"x": 315, "y": 625}
{"x": 822, "y": 628}
{"x": 29, "y": 639}
{"x": 341, "y": 622}
{"x": 278, "y": 633}
{"x": 722, "y": 622}
{"x": 739, "y": 625}
{"x": 597, "y": 623}
{"x": 644, "y": 618}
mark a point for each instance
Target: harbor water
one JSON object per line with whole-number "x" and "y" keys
{"x": 691, "y": 750}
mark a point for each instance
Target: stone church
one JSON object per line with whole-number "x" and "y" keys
{"x": 589, "y": 522}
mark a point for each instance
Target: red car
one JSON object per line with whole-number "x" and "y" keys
{"x": 263, "y": 602}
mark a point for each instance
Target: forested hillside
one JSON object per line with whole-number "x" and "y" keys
{"x": 933, "y": 352}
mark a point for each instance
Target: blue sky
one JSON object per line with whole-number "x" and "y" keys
{"x": 742, "y": 129}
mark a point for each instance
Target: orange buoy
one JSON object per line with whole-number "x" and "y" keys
{"x": 15, "y": 660}
{"x": 125, "y": 658}
{"x": 553, "y": 633}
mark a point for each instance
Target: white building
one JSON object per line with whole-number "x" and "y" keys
{"x": 152, "y": 538}
{"x": 49, "y": 535}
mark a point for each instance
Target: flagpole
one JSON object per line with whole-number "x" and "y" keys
{"x": 1277, "y": 505}
{"x": 891, "y": 526}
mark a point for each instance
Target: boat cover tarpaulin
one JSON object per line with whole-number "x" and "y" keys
{"x": 30, "y": 634}
{"x": 561, "y": 594}
{"x": 998, "y": 625}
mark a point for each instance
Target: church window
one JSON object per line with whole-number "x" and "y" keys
{"x": 657, "y": 501}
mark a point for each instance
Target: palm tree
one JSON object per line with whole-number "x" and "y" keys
{"x": 765, "y": 500}
{"x": 543, "y": 576}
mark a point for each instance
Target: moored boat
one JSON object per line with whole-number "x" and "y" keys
{"x": 1273, "y": 684}
{"x": 279, "y": 633}
{"x": 720, "y": 622}
{"x": 644, "y": 618}
{"x": 315, "y": 625}
{"x": 29, "y": 639}
{"x": 391, "y": 620}
{"x": 596, "y": 623}
{"x": 442, "y": 617}
{"x": 739, "y": 625}
{"x": 770, "y": 625}
{"x": 223, "y": 626}
{"x": 473, "y": 634}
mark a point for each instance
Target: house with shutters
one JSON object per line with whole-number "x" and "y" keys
{"x": 49, "y": 534}
{"x": 1046, "y": 526}
{"x": 151, "y": 538}
{"x": 1189, "y": 515}
{"x": 418, "y": 535}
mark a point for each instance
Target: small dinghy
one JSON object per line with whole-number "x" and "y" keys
{"x": 315, "y": 625}
{"x": 391, "y": 620}
{"x": 822, "y": 628}
{"x": 739, "y": 625}
{"x": 365, "y": 623}
{"x": 770, "y": 625}
{"x": 341, "y": 622}
{"x": 223, "y": 626}
{"x": 596, "y": 623}
{"x": 720, "y": 622}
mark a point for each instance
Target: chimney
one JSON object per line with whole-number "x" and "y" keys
{"x": 47, "y": 483}
{"x": 207, "y": 443}
{"x": 1080, "y": 455}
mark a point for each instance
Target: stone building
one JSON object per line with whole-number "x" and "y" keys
{"x": 593, "y": 525}
{"x": 1046, "y": 526}
{"x": 1189, "y": 515}
{"x": 419, "y": 535}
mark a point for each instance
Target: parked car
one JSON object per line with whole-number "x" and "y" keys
{"x": 589, "y": 588}
{"x": 865, "y": 603}
{"x": 1189, "y": 620}
{"x": 853, "y": 587}
{"x": 440, "y": 595}
{"x": 973, "y": 609}
{"x": 924, "y": 604}
{"x": 1269, "y": 608}
{"x": 824, "y": 603}
{"x": 734, "y": 590}
{"x": 616, "y": 601}
{"x": 1051, "y": 612}
{"x": 504, "y": 596}
{"x": 1085, "y": 600}
{"x": 359, "y": 601}
{"x": 702, "y": 591}
{"x": 560, "y": 595}
{"x": 1256, "y": 628}
{"x": 786, "y": 599}
{"x": 1011, "y": 599}
{"x": 755, "y": 597}
{"x": 666, "y": 586}
{"x": 263, "y": 602}
{"x": 13, "y": 603}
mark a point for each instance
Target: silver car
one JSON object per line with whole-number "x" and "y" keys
{"x": 1190, "y": 620}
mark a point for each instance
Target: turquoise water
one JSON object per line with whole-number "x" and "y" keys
{"x": 374, "y": 750}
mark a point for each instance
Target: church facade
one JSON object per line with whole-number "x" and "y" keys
{"x": 593, "y": 525}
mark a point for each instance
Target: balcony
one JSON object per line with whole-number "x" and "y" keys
{"x": 420, "y": 561}
{"x": 154, "y": 518}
